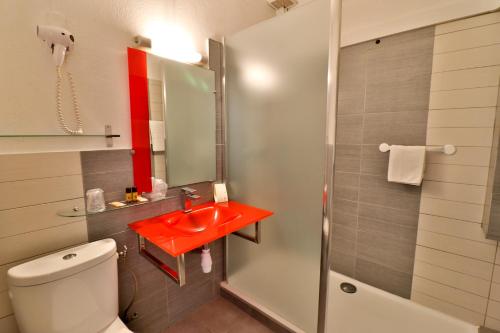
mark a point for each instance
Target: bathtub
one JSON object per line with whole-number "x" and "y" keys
{"x": 372, "y": 310}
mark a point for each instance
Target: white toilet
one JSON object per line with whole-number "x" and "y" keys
{"x": 72, "y": 291}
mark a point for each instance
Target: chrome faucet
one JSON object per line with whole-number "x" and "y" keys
{"x": 187, "y": 194}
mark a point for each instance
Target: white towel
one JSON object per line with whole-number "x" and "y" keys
{"x": 157, "y": 132}
{"x": 406, "y": 165}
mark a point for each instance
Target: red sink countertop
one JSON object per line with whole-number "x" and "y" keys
{"x": 160, "y": 231}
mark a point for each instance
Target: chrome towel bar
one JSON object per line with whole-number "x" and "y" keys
{"x": 446, "y": 149}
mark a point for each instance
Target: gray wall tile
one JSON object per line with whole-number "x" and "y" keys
{"x": 384, "y": 278}
{"x": 352, "y": 79}
{"x": 390, "y": 215}
{"x": 352, "y": 165}
{"x": 383, "y": 97}
{"x": 347, "y": 151}
{"x": 343, "y": 263}
{"x": 347, "y": 193}
{"x": 109, "y": 170}
{"x": 404, "y": 128}
{"x": 349, "y": 129}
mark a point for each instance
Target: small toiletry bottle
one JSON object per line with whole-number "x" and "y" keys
{"x": 128, "y": 194}
{"x": 134, "y": 194}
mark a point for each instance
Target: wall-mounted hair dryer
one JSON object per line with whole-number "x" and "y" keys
{"x": 60, "y": 41}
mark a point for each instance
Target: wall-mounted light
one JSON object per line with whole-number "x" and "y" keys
{"x": 169, "y": 41}
{"x": 141, "y": 41}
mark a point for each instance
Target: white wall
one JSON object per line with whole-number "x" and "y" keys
{"x": 103, "y": 29}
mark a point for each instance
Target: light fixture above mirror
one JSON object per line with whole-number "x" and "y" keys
{"x": 169, "y": 41}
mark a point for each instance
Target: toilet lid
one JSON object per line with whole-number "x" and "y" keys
{"x": 61, "y": 264}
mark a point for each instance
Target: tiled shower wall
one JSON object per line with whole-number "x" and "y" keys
{"x": 383, "y": 97}
{"x": 457, "y": 270}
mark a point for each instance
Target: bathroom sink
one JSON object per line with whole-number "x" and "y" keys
{"x": 199, "y": 219}
{"x": 178, "y": 232}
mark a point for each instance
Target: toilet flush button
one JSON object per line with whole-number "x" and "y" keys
{"x": 69, "y": 256}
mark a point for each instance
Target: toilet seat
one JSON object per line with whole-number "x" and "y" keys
{"x": 117, "y": 326}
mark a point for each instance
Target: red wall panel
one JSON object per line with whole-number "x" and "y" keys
{"x": 139, "y": 118}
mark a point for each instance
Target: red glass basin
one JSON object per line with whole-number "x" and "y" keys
{"x": 200, "y": 219}
{"x": 178, "y": 232}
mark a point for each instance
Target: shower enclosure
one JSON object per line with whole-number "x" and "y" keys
{"x": 277, "y": 84}
{"x": 281, "y": 97}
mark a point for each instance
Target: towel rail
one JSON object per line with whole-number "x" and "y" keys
{"x": 445, "y": 149}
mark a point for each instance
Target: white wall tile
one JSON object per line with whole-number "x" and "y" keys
{"x": 5, "y": 306}
{"x": 474, "y": 156}
{"x": 471, "y": 175}
{"x": 495, "y": 291}
{"x": 3, "y": 275}
{"x": 453, "y": 279}
{"x": 448, "y": 308}
{"x": 35, "y": 187}
{"x": 43, "y": 241}
{"x": 460, "y": 246}
{"x": 8, "y": 325}
{"x": 449, "y": 294}
{"x": 44, "y": 165}
{"x": 452, "y": 295}
{"x": 472, "y": 137}
{"x": 38, "y": 191}
{"x": 494, "y": 309}
{"x": 455, "y": 228}
{"x": 466, "y": 78}
{"x": 468, "y": 38}
{"x": 464, "y": 98}
{"x": 26, "y": 219}
{"x": 468, "y": 117}
{"x": 452, "y": 209}
{"x": 475, "y": 21}
{"x": 454, "y": 192}
{"x": 454, "y": 262}
{"x": 496, "y": 273}
{"x": 492, "y": 323}
{"x": 470, "y": 58}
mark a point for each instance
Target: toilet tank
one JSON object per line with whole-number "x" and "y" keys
{"x": 72, "y": 291}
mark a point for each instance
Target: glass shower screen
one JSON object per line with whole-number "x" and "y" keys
{"x": 276, "y": 88}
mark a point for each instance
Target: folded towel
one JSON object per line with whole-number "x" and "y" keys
{"x": 157, "y": 132}
{"x": 406, "y": 164}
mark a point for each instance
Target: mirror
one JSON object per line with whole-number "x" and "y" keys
{"x": 173, "y": 121}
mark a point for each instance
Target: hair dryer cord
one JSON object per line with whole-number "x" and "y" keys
{"x": 76, "y": 108}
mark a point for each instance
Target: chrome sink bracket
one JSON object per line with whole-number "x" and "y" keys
{"x": 255, "y": 238}
{"x": 178, "y": 276}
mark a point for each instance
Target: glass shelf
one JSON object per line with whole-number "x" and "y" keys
{"x": 108, "y": 135}
{"x": 57, "y": 135}
{"x": 77, "y": 211}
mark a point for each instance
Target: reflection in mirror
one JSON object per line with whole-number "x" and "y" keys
{"x": 179, "y": 126}
{"x": 491, "y": 215}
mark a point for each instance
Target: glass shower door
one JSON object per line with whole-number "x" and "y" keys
{"x": 276, "y": 88}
